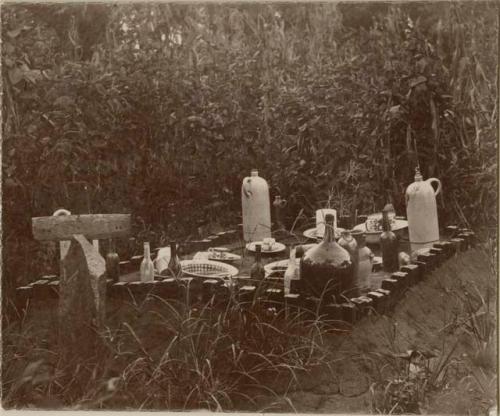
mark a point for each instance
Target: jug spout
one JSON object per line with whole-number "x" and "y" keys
{"x": 418, "y": 175}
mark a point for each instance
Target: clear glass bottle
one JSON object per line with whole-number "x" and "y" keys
{"x": 327, "y": 269}
{"x": 174, "y": 265}
{"x": 365, "y": 261}
{"x": 257, "y": 271}
{"x": 112, "y": 262}
{"x": 291, "y": 273}
{"x": 278, "y": 205}
{"x": 147, "y": 267}
{"x": 389, "y": 243}
{"x": 348, "y": 242}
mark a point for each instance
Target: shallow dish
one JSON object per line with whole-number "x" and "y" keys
{"x": 229, "y": 257}
{"x": 208, "y": 269}
{"x": 277, "y": 247}
{"x": 207, "y": 255}
{"x": 373, "y": 237}
{"x": 278, "y": 268}
{"x": 313, "y": 234}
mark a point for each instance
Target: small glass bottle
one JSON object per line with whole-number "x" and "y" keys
{"x": 257, "y": 271}
{"x": 147, "y": 267}
{"x": 365, "y": 261}
{"x": 131, "y": 247}
{"x": 291, "y": 273}
{"x": 174, "y": 265}
{"x": 112, "y": 262}
{"x": 389, "y": 243}
{"x": 278, "y": 205}
{"x": 348, "y": 242}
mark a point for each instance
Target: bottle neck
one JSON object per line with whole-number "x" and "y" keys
{"x": 173, "y": 249}
{"x": 111, "y": 248}
{"x": 346, "y": 235}
{"x": 258, "y": 251}
{"x": 147, "y": 251}
{"x": 386, "y": 224}
{"x": 361, "y": 241}
{"x": 329, "y": 232}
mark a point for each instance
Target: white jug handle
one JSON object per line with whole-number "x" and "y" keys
{"x": 430, "y": 180}
{"x": 247, "y": 187}
{"x": 61, "y": 211}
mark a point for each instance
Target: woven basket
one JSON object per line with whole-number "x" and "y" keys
{"x": 207, "y": 269}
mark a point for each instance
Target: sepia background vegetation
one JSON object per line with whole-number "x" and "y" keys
{"x": 162, "y": 109}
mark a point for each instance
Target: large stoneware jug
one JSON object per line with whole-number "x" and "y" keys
{"x": 256, "y": 208}
{"x": 421, "y": 211}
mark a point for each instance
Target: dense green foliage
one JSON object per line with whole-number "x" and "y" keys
{"x": 162, "y": 109}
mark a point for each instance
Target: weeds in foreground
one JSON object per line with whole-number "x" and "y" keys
{"x": 406, "y": 379}
{"x": 165, "y": 355}
{"x": 411, "y": 376}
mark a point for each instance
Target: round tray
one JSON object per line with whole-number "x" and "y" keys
{"x": 206, "y": 255}
{"x": 208, "y": 269}
{"x": 228, "y": 257}
{"x": 312, "y": 233}
{"x": 277, "y": 248}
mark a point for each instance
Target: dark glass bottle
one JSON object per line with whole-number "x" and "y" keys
{"x": 257, "y": 271}
{"x": 112, "y": 263}
{"x": 131, "y": 248}
{"x": 174, "y": 265}
{"x": 327, "y": 269}
{"x": 388, "y": 243}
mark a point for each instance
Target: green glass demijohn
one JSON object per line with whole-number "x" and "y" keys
{"x": 327, "y": 269}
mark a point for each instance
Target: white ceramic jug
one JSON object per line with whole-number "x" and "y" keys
{"x": 421, "y": 211}
{"x": 256, "y": 208}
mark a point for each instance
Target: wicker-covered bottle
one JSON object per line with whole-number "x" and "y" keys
{"x": 327, "y": 269}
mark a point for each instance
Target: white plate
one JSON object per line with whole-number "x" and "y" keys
{"x": 311, "y": 233}
{"x": 373, "y": 237}
{"x": 279, "y": 265}
{"x": 227, "y": 257}
{"x": 207, "y": 255}
{"x": 277, "y": 247}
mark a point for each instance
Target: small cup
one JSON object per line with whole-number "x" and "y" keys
{"x": 218, "y": 252}
{"x": 268, "y": 243}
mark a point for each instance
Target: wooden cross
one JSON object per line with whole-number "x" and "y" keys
{"x": 82, "y": 283}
